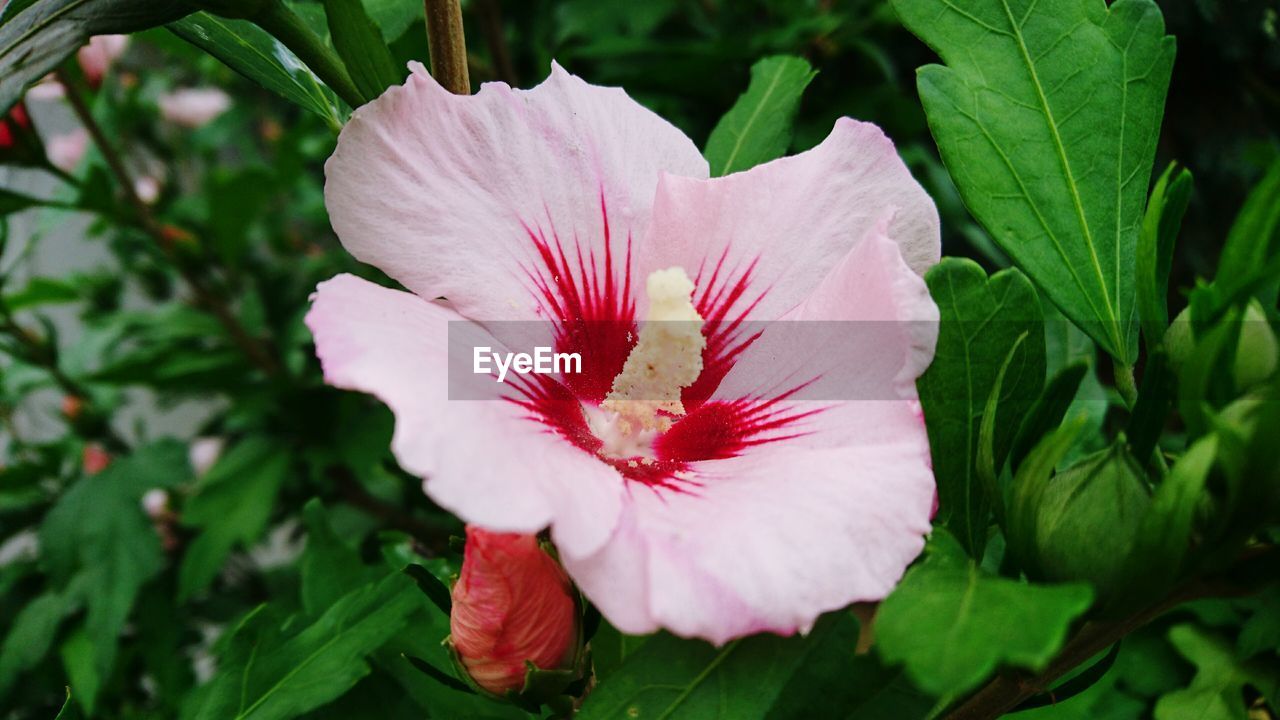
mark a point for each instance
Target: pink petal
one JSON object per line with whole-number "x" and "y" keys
{"x": 481, "y": 459}
{"x": 830, "y": 514}
{"x": 447, "y": 193}
{"x": 786, "y": 223}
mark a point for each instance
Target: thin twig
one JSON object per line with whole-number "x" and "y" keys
{"x": 448, "y": 45}
{"x": 433, "y": 539}
{"x": 205, "y": 298}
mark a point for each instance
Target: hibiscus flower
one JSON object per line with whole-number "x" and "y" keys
{"x": 748, "y": 508}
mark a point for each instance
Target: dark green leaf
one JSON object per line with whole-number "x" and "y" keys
{"x": 329, "y": 566}
{"x": 981, "y": 321}
{"x": 232, "y": 505}
{"x": 758, "y": 127}
{"x": 361, "y": 47}
{"x": 1163, "y": 541}
{"x": 987, "y": 471}
{"x": 394, "y": 17}
{"x": 1046, "y": 116}
{"x": 1155, "y": 399}
{"x": 1048, "y": 411}
{"x": 250, "y": 51}
{"x": 31, "y": 632}
{"x": 12, "y": 202}
{"x": 673, "y": 678}
{"x": 1155, "y": 250}
{"x": 41, "y": 291}
{"x": 277, "y": 679}
{"x": 44, "y": 33}
{"x": 952, "y": 626}
{"x": 99, "y": 530}
{"x": 1029, "y": 485}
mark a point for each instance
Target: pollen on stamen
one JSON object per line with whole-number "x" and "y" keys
{"x": 666, "y": 359}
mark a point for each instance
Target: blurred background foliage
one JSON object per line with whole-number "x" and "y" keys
{"x": 129, "y": 595}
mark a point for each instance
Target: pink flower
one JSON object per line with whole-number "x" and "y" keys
{"x": 739, "y": 505}
{"x": 193, "y": 107}
{"x": 512, "y": 603}
{"x": 204, "y": 452}
{"x": 97, "y": 56}
{"x": 147, "y": 188}
{"x": 67, "y": 150}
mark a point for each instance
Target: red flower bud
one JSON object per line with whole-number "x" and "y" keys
{"x": 72, "y": 406}
{"x": 512, "y": 602}
{"x": 11, "y": 125}
{"x": 94, "y": 459}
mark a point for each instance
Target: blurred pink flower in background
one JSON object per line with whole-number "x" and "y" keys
{"x": 193, "y": 107}
{"x": 204, "y": 452}
{"x": 512, "y": 603}
{"x": 744, "y": 509}
{"x": 147, "y": 188}
{"x": 94, "y": 459}
{"x": 97, "y": 56}
{"x": 67, "y": 150}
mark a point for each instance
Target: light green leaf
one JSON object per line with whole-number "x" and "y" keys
{"x": 394, "y": 17}
{"x": 1217, "y": 690}
{"x": 1254, "y": 240}
{"x": 952, "y": 626}
{"x": 758, "y": 127}
{"x": 981, "y": 321}
{"x": 1047, "y": 115}
{"x": 232, "y": 505}
{"x": 250, "y": 51}
{"x": 672, "y": 679}
{"x": 361, "y": 47}
{"x": 41, "y": 291}
{"x": 78, "y": 658}
{"x": 44, "y": 33}
{"x": 1168, "y": 202}
{"x": 269, "y": 677}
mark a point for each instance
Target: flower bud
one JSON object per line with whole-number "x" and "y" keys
{"x": 1257, "y": 351}
{"x": 94, "y": 459}
{"x": 97, "y": 56}
{"x": 1089, "y": 518}
{"x": 512, "y": 604}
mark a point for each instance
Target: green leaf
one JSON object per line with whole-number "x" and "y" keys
{"x": 672, "y": 678}
{"x": 1047, "y": 115}
{"x": 42, "y": 34}
{"x": 360, "y": 45}
{"x": 329, "y": 566}
{"x": 1048, "y": 411}
{"x": 1165, "y": 208}
{"x": 78, "y": 657}
{"x": 987, "y": 471}
{"x": 394, "y": 17}
{"x": 63, "y": 714}
{"x": 12, "y": 202}
{"x": 98, "y": 529}
{"x": 1217, "y": 690}
{"x": 32, "y": 631}
{"x": 41, "y": 291}
{"x": 250, "y": 51}
{"x": 232, "y": 505}
{"x": 1254, "y": 240}
{"x": 952, "y": 626}
{"x": 1164, "y": 538}
{"x": 758, "y": 127}
{"x": 981, "y": 321}
{"x": 274, "y": 678}
{"x": 1029, "y": 485}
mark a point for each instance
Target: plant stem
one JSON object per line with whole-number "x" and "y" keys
{"x": 1125, "y": 384}
{"x": 205, "y": 298}
{"x": 496, "y": 39}
{"x": 448, "y": 45}
{"x": 433, "y": 539}
{"x": 1008, "y": 690}
{"x": 284, "y": 24}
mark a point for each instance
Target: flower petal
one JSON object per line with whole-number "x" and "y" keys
{"x": 452, "y": 195}
{"x": 815, "y": 514}
{"x": 482, "y": 459}
{"x": 785, "y": 224}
